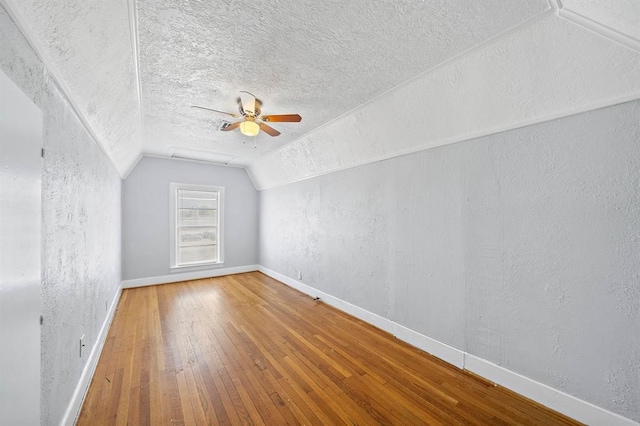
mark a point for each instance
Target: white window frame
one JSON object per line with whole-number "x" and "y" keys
{"x": 173, "y": 232}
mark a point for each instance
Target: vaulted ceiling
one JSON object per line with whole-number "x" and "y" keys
{"x": 371, "y": 80}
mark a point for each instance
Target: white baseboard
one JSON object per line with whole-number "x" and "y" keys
{"x": 571, "y": 406}
{"x": 347, "y": 307}
{"x": 434, "y": 347}
{"x": 566, "y": 404}
{"x": 73, "y": 410}
{"x": 186, "y": 276}
{"x": 438, "y": 349}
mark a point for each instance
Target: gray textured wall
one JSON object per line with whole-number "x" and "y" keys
{"x": 522, "y": 248}
{"x": 145, "y": 214}
{"x": 80, "y": 227}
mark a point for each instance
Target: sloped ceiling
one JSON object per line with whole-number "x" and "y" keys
{"x": 318, "y": 59}
{"x": 549, "y": 69}
{"x": 622, "y": 16}
{"x": 87, "y": 47}
{"x": 370, "y": 82}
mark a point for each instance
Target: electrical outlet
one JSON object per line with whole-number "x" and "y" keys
{"x": 300, "y": 275}
{"x": 81, "y": 344}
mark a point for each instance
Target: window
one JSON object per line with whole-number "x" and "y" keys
{"x": 196, "y": 217}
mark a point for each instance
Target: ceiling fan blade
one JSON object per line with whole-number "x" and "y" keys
{"x": 215, "y": 110}
{"x": 282, "y": 118}
{"x": 268, "y": 130}
{"x": 230, "y": 127}
{"x": 248, "y": 102}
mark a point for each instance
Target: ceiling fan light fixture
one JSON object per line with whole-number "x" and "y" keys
{"x": 252, "y": 122}
{"x": 249, "y": 128}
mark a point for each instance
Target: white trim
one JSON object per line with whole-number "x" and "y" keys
{"x": 164, "y": 157}
{"x": 133, "y": 166}
{"x": 600, "y": 29}
{"x": 174, "y": 152}
{"x": 438, "y": 349}
{"x": 208, "y": 163}
{"x": 555, "y": 4}
{"x": 251, "y": 178}
{"x": 192, "y": 160}
{"x": 73, "y": 409}
{"x": 173, "y": 220}
{"x": 604, "y": 103}
{"x": 571, "y": 406}
{"x": 505, "y": 34}
{"x": 566, "y": 404}
{"x": 434, "y": 347}
{"x": 196, "y": 275}
{"x": 196, "y": 267}
{"x": 133, "y": 27}
{"x": 373, "y": 319}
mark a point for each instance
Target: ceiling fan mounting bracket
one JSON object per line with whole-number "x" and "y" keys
{"x": 246, "y": 114}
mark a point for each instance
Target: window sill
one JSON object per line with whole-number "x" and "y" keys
{"x": 198, "y": 267}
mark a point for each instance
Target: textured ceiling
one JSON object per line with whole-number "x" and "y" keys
{"x": 318, "y": 59}
{"x": 458, "y": 68}
{"x": 87, "y": 46}
{"x": 622, "y": 16}
{"x": 550, "y": 68}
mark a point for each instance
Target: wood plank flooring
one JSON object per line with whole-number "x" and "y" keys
{"x": 246, "y": 349}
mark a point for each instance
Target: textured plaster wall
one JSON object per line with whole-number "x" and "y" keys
{"x": 90, "y": 45}
{"x": 80, "y": 227}
{"x": 548, "y": 69}
{"x": 522, "y": 248}
{"x": 145, "y": 214}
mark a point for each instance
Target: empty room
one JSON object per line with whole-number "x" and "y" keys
{"x": 299, "y": 212}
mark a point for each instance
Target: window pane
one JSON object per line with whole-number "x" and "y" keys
{"x": 198, "y": 217}
{"x": 197, "y": 199}
{"x": 196, "y": 222}
{"x": 196, "y": 236}
{"x": 197, "y": 254}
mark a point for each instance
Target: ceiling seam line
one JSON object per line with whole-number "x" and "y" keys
{"x": 133, "y": 166}
{"x": 52, "y": 74}
{"x": 468, "y": 137}
{"x": 195, "y": 160}
{"x": 510, "y": 31}
{"x": 600, "y": 29}
{"x": 171, "y": 152}
{"x": 192, "y": 160}
{"x": 133, "y": 26}
{"x": 556, "y": 4}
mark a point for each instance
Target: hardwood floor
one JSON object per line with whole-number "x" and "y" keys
{"x": 246, "y": 349}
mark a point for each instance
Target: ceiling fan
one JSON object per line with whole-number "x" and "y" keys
{"x": 251, "y": 121}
